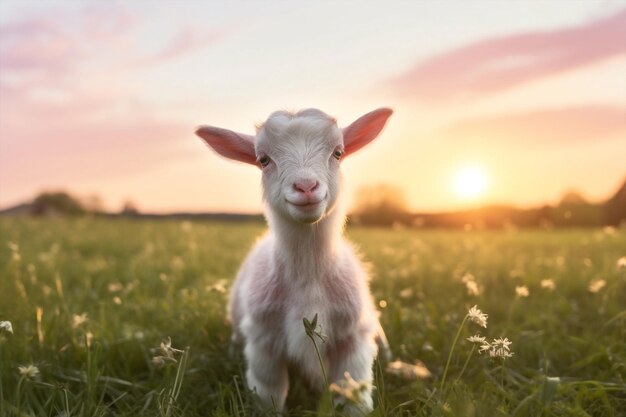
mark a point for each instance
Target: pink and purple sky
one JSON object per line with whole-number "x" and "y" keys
{"x": 103, "y": 97}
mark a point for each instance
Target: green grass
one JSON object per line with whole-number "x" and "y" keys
{"x": 141, "y": 281}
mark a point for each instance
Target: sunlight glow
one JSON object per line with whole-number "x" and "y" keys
{"x": 470, "y": 182}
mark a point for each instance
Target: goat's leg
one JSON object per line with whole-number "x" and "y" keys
{"x": 267, "y": 376}
{"x": 357, "y": 359}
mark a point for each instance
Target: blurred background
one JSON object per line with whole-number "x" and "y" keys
{"x": 506, "y": 113}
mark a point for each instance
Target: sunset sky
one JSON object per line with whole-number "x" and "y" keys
{"x": 528, "y": 98}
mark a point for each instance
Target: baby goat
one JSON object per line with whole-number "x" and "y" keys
{"x": 303, "y": 267}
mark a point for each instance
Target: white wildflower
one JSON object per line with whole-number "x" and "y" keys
{"x": 177, "y": 264}
{"x": 521, "y": 291}
{"x": 596, "y": 285}
{"x": 349, "y": 389}
{"x": 29, "y": 371}
{"x": 500, "y": 348}
{"x": 78, "y": 320}
{"x": 6, "y": 326}
{"x": 219, "y": 286}
{"x": 503, "y": 342}
{"x": 470, "y": 284}
{"x": 476, "y": 339}
{"x": 477, "y": 316}
{"x": 167, "y": 353}
{"x": 548, "y": 284}
{"x": 408, "y": 371}
{"x": 406, "y": 293}
{"x": 167, "y": 349}
{"x": 609, "y": 230}
{"x": 486, "y": 346}
{"x": 186, "y": 226}
{"x": 621, "y": 263}
{"x": 15, "y": 251}
{"x": 158, "y": 361}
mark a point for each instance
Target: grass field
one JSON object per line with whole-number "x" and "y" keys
{"x": 89, "y": 299}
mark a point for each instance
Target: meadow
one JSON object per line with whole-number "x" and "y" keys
{"x": 90, "y": 301}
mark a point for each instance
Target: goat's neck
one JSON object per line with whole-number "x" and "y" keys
{"x": 308, "y": 250}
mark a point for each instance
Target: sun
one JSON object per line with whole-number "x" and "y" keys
{"x": 470, "y": 182}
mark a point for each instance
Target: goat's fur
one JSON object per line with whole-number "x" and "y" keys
{"x": 303, "y": 266}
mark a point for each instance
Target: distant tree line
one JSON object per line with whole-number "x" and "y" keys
{"x": 378, "y": 205}
{"x": 61, "y": 203}
{"x": 384, "y": 205}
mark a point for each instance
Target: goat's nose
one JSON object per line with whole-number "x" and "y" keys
{"x": 305, "y": 186}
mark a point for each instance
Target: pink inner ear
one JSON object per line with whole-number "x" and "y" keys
{"x": 365, "y": 129}
{"x": 229, "y": 144}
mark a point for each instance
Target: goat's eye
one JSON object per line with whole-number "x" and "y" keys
{"x": 264, "y": 160}
{"x": 338, "y": 154}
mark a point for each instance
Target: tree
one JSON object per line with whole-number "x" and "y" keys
{"x": 381, "y": 205}
{"x": 129, "y": 209}
{"x": 615, "y": 208}
{"x": 56, "y": 203}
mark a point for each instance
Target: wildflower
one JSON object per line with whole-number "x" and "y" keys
{"x": 219, "y": 286}
{"x": 621, "y": 263}
{"x": 477, "y": 316}
{"x": 609, "y": 230}
{"x": 167, "y": 349}
{"x": 15, "y": 251}
{"x": 349, "y": 389}
{"x": 476, "y": 339}
{"x": 167, "y": 353}
{"x": 78, "y": 320}
{"x": 408, "y": 371}
{"x": 88, "y": 339}
{"x": 408, "y": 292}
{"x": 472, "y": 288}
{"x": 382, "y": 303}
{"x": 29, "y": 371}
{"x": 522, "y": 291}
{"x": 500, "y": 348}
{"x": 6, "y": 326}
{"x": 115, "y": 287}
{"x": 177, "y": 264}
{"x": 186, "y": 226}
{"x": 486, "y": 346}
{"x": 117, "y": 300}
{"x": 596, "y": 285}
{"x": 160, "y": 361}
{"x": 470, "y": 284}
{"x": 548, "y": 284}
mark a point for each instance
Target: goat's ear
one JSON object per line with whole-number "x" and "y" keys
{"x": 230, "y": 144}
{"x": 364, "y": 129}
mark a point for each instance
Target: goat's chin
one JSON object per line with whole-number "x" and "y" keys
{"x": 308, "y": 215}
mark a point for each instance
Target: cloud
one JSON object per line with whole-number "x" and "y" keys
{"x": 497, "y": 64}
{"x": 37, "y": 44}
{"x": 70, "y": 111}
{"x": 564, "y": 126}
{"x": 187, "y": 40}
{"x": 53, "y": 47}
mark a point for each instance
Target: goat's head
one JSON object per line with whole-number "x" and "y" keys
{"x": 299, "y": 155}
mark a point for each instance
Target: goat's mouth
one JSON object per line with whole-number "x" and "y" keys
{"x": 307, "y": 205}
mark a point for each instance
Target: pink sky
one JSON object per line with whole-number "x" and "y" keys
{"x": 104, "y": 98}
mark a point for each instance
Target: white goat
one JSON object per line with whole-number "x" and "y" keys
{"x": 303, "y": 266}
